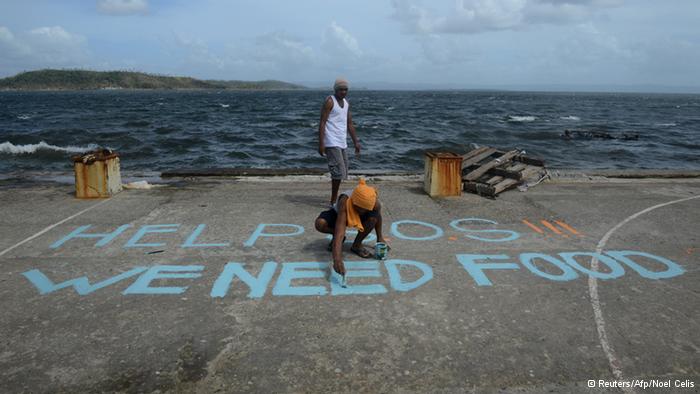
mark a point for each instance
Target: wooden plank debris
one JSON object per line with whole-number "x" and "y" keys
{"x": 517, "y": 167}
{"x": 478, "y": 157}
{"x": 494, "y": 180}
{"x": 488, "y": 171}
{"x": 479, "y": 188}
{"x": 530, "y": 160}
{"x": 474, "y": 152}
{"x": 505, "y": 185}
{"x": 504, "y": 159}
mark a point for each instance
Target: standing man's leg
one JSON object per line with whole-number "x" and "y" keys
{"x": 338, "y": 167}
{"x": 335, "y": 185}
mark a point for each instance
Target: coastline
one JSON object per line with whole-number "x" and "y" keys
{"x": 313, "y": 175}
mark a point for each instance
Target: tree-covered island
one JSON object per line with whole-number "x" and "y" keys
{"x": 94, "y": 80}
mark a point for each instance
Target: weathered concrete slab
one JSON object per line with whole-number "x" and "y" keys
{"x": 156, "y": 310}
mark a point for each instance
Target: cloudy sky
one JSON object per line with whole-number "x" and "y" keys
{"x": 392, "y": 43}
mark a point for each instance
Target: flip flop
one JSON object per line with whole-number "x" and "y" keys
{"x": 330, "y": 245}
{"x": 362, "y": 252}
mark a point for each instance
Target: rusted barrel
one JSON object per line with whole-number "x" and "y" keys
{"x": 97, "y": 174}
{"x": 443, "y": 174}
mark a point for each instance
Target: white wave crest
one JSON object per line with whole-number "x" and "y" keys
{"x": 570, "y": 117}
{"x": 666, "y": 124}
{"x": 10, "y": 148}
{"x": 24, "y": 117}
{"x": 527, "y": 118}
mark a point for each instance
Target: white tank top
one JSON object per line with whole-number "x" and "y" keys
{"x": 336, "y": 133}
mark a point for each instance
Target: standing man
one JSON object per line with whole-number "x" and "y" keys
{"x": 333, "y": 129}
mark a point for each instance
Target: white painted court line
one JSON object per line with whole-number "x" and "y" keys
{"x": 615, "y": 365}
{"x": 53, "y": 225}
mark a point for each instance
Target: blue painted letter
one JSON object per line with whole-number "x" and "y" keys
{"x": 392, "y": 266}
{"x": 291, "y": 271}
{"x": 142, "y": 283}
{"x": 674, "y": 269}
{"x": 358, "y": 269}
{"x": 81, "y": 285}
{"x": 257, "y": 285}
{"x": 261, "y": 227}
{"x": 395, "y": 230}
{"x": 616, "y": 269}
{"x": 567, "y": 272}
{"x": 190, "y": 242}
{"x": 509, "y": 235}
{"x": 150, "y": 228}
{"x": 77, "y": 233}
{"x": 468, "y": 261}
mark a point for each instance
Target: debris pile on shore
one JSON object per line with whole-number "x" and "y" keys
{"x": 99, "y": 154}
{"x": 597, "y": 134}
{"x": 488, "y": 171}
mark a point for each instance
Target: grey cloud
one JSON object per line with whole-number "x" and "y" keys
{"x": 49, "y": 46}
{"x": 672, "y": 60}
{"x": 271, "y": 55}
{"x": 444, "y": 51}
{"x": 413, "y": 19}
{"x": 197, "y": 52}
{"x": 475, "y": 16}
{"x": 122, "y": 7}
{"x": 338, "y": 42}
{"x": 10, "y": 46}
{"x": 281, "y": 50}
{"x": 587, "y": 46}
{"x": 342, "y": 52}
{"x": 563, "y": 12}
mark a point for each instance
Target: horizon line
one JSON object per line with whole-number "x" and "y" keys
{"x": 437, "y": 86}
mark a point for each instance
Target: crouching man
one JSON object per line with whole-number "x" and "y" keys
{"x": 359, "y": 209}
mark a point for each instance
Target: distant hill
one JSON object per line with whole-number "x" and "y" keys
{"x": 91, "y": 80}
{"x": 255, "y": 85}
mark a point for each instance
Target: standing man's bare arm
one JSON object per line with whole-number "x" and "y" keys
{"x": 325, "y": 111}
{"x": 353, "y": 135}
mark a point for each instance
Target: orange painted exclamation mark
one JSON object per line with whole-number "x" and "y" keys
{"x": 532, "y": 226}
{"x": 568, "y": 228}
{"x": 554, "y": 229}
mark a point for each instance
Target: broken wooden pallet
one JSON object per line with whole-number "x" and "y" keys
{"x": 488, "y": 171}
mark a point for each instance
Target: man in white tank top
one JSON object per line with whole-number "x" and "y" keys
{"x": 333, "y": 129}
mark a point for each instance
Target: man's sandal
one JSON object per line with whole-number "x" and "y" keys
{"x": 362, "y": 252}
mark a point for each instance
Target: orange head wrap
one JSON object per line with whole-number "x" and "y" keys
{"x": 364, "y": 197}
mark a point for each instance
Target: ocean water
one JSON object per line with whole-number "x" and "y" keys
{"x": 165, "y": 130}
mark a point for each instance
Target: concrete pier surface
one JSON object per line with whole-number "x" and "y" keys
{"x": 219, "y": 284}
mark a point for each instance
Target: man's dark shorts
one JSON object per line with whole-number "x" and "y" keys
{"x": 331, "y": 215}
{"x": 337, "y": 162}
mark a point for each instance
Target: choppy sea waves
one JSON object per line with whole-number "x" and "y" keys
{"x": 161, "y": 130}
{"x": 10, "y": 148}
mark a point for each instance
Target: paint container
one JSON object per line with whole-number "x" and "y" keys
{"x": 381, "y": 250}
